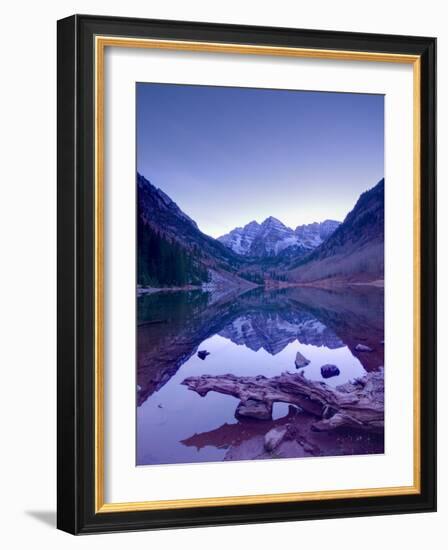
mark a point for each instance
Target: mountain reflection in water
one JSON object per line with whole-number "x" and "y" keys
{"x": 254, "y": 333}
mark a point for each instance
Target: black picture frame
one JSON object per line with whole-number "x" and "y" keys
{"x": 76, "y": 286}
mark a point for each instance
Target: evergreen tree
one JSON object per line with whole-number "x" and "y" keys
{"x": 164, "y": 262}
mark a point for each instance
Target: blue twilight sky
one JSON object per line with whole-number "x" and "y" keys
{"x": 228, "y": 156}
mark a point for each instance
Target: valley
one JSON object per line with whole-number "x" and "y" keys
{"x": 173, "y": 253}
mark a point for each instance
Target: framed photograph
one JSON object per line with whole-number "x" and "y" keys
{"x": 246, "y": 274}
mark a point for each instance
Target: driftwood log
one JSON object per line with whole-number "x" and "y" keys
{"x": 358, "y": 404}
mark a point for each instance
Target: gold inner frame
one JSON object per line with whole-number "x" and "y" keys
{"x": 101, "y": 42}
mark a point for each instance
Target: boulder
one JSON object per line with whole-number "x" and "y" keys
{"x": 274, "y": 437}
{"x": 301, "y": 361}
{"x": 252, "y": 408}
{"x": 328, "y": 371}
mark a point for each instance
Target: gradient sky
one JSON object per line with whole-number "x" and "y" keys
{"x": 228, "y": 156}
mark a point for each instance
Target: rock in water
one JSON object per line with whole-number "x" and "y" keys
{"x": 301, "y": 361}
{"x": 362, "y": 347}
{"x": 328, "y": 371}
{"x": 253, "y": 408}
{"x": 203, "y": 354}
{"x": 274, "y": 437}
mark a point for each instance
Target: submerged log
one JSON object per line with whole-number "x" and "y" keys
{"x": 358, "y": 404}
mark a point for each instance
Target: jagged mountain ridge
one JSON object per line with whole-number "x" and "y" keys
{"x": 273, "y": 331}
{"x": 272, "y": 237}
{"x": 314, "y": 234}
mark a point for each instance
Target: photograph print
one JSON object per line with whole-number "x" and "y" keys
{"x": 260, "y": 274}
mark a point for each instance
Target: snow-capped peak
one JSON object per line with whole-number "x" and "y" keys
{"x": 272, "y": 237}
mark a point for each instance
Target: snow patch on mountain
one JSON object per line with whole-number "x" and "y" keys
{"x": 271, "y": 237}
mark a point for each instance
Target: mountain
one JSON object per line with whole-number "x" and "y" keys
{"x": 313, "y": 234}
{"x": 240, "y": 239}
{"x": 172, "y": 251}
{"x": 355, "y": 250}
{"x": 274, "y": 330}
{"x": 272, "y": 237}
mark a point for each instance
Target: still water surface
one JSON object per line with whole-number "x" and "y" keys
{"x": 247, "y": 335}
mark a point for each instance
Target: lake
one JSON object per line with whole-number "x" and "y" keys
{"x": 249, "y": 333}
